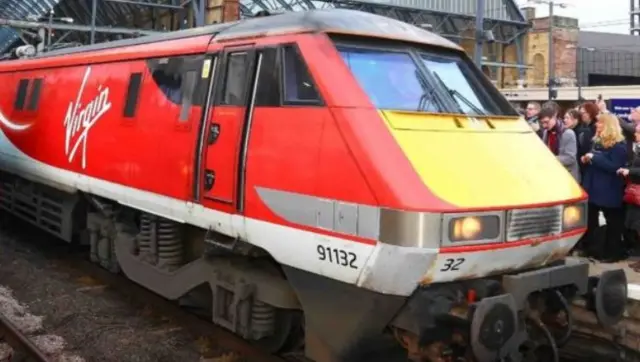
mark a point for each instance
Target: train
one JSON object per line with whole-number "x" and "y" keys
{"x": 332, "y": 183}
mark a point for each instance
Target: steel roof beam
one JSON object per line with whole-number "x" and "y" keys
{"x": 72, "y": 27}
{"x": 449, "y": 25}
{"x": 514, "y": 11}
{"x": 147, "y": 4}
{"x": 432, "y": 12}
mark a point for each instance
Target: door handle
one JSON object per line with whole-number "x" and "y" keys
{"x": 209, "y": 179}
{"x": 214, "y": 133}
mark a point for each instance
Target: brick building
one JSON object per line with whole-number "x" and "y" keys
{"x": 580, "y": 57}
{"x": 536, "y": 49}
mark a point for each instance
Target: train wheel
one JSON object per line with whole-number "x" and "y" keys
{"x": 541, "y": 346}
{"x": 287, "y": 335}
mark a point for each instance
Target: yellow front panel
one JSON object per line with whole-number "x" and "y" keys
{"x": 471, "y": 164}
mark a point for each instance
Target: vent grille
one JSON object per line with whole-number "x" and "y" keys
{"x": 531, "y": 223}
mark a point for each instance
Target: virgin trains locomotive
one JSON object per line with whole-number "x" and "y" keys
{"x": 321, "y": 182}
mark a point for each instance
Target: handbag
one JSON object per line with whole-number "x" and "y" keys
{"x": 632, "y": 194}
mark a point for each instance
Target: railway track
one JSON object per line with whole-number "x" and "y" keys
{"x": 198, "y": 327}
{"x": 74, "y": 259}
{"x": 23, "y": 348}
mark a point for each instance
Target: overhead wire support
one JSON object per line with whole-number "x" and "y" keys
{"x": 477, "y": 56}
{"x": 73, "y": 27}
{"x": 94, "y": 14}
{"x": 152, "y": 5}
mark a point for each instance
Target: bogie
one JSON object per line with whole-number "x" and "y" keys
{"x": 243, "y": 291}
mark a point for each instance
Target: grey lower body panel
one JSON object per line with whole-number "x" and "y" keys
{"x": 343, "y": 322}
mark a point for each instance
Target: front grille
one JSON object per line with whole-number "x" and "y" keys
{"x": 531, "y": 223}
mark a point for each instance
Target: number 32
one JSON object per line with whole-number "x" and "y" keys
{"x": 452, "y": 264}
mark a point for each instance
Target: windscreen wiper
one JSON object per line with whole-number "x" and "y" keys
{"x": 425, "y": 99}
{"x": 454, "y": 92}
{"x": 427, "y": 95}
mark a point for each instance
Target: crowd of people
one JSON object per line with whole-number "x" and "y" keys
{"x": 602, "y": 152}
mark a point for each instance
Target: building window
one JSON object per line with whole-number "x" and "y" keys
{"x": 538, "y": 69}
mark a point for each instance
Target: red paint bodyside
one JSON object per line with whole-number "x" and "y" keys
{"x": 339, "y": 151}
{"x": 152, "y": 151}
{"x": 222, "y": 156}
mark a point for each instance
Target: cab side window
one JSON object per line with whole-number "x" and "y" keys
{"x": 299, "y": 88}
{"x": 178, "y": 79}
{"x": 21, "y": 97}
{"x": 166, "y": 73}
{"x": 268, "y": 91}
{"x": 34, "y": 97}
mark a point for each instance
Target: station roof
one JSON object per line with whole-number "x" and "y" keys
{"x": 109, "y": 13}
{"x": 451, "y": 18}
{"x": 341, "y": 21}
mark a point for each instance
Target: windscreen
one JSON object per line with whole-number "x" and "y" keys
{"x": 390, "y": 79}
{"x": 457, "y": 78}
{"x": 419, "y": 81}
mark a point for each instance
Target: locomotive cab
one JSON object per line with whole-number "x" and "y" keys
{"x": 466, "y": 217}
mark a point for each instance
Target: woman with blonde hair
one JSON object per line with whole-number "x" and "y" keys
{"x": 605, "y": 188}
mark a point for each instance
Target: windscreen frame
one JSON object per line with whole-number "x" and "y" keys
{"x": 501, "y": 108}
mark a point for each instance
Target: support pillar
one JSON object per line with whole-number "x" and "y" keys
{"x": 551, "y": 54}
{"x": 94, "y": 10}
{"x": 198, "y": 7}
{"x": 477, "y": 57}
{"x": 520, "y": 56}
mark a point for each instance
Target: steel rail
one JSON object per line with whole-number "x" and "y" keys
{"x": 19, "y": 342}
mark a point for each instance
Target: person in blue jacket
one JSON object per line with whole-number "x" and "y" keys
{"x": 605, "y": 188}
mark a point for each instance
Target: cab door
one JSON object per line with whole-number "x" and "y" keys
{"x": 225, "y": 123}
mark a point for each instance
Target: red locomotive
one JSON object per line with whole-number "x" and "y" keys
{"x": 333, "y": 171}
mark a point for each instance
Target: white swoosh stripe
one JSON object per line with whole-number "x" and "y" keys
{"x": 13, "y": 126}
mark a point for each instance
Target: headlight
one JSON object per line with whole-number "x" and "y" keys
{"x": 474, "y": 228}
{"x": 574, "y": 217}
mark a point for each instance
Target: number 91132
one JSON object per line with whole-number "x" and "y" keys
{"x": 337, "y": 256}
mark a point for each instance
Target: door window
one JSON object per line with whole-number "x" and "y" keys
{"x": 268, "y": 91}
{"x": 235, "y": 84}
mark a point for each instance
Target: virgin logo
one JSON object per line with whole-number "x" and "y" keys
{"x": 81, "y": 117}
